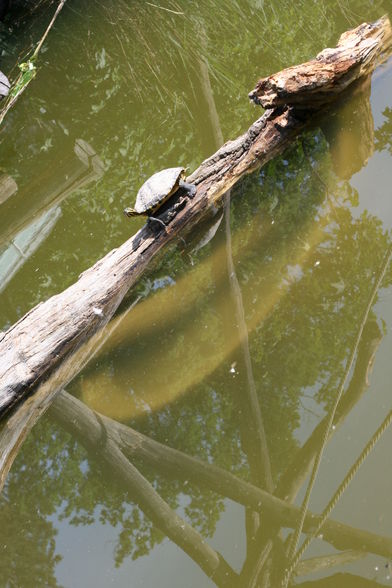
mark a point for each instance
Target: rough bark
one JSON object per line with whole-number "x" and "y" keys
{"x": 316, "y": 82}
{"x": 18, "y": 425}
{"x": 36, "y": 345}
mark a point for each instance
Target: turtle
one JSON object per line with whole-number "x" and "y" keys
{"x": 157, "y": 190}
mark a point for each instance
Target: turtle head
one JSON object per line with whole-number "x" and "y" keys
{"x": 130, "y": 212}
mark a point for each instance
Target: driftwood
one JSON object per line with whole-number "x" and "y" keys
{"x": 314, "y": 83}
{"x": 32, "y": 348}
{"x": 18, "y": 425}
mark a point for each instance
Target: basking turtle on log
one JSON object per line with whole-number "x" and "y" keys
{"x": 37, "y": 345}
{"x": 157, "y": 190}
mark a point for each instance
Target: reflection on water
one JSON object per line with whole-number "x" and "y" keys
{"x": 88, "y": 500}
{"x": 182, "y": 325}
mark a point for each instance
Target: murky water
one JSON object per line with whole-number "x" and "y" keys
{"x": 233, "y": 348}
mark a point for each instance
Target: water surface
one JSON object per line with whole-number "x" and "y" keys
{"x": 264, "y": 302}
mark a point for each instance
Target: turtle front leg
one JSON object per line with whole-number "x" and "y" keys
{"x": 190, "y": 188}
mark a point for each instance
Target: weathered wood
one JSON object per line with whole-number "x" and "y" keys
{"x": 19, "y": 424}
{"x": 318, "y": 81}
{"x": 32, "y": 348}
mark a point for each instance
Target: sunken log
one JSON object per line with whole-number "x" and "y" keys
{"x": 37, "y": 344}
{"x": 92, "y": 428}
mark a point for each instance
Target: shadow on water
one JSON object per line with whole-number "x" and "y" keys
{"x": 301, "y": 264}
{"x": 223, "y": 366}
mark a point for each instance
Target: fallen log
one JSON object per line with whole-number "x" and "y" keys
{"x": 316, "y": 82}
{"x": 15, "y": 429}
{"x": 37, "y": 344}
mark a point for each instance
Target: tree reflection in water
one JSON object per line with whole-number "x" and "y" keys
{"x": 151, "y": 474}
{"x": 320, "y": 263}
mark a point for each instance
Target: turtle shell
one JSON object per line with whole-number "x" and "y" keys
{"x": 157, "y": 189}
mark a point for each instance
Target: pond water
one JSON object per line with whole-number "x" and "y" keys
{"x": 234, "y": 346}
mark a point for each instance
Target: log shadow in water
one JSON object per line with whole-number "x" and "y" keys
{"x": 118, "y": 446}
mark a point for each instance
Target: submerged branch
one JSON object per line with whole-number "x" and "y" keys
{"x": 316, "y": 564}
{"x": 83, "y": 422}
{"x": 295, "y": 557}
{"x": 297, "y": 471}
{"x": 252, "y": 413}
{"x": 43, "y": 38}
{"x": 253, "y": 438}
{"x": 339, "y": 492}
{"x": 294, "y": 476}
{"x": 160, "y": 513}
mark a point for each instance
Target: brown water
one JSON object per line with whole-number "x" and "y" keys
{"x": 263, "y": 310}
